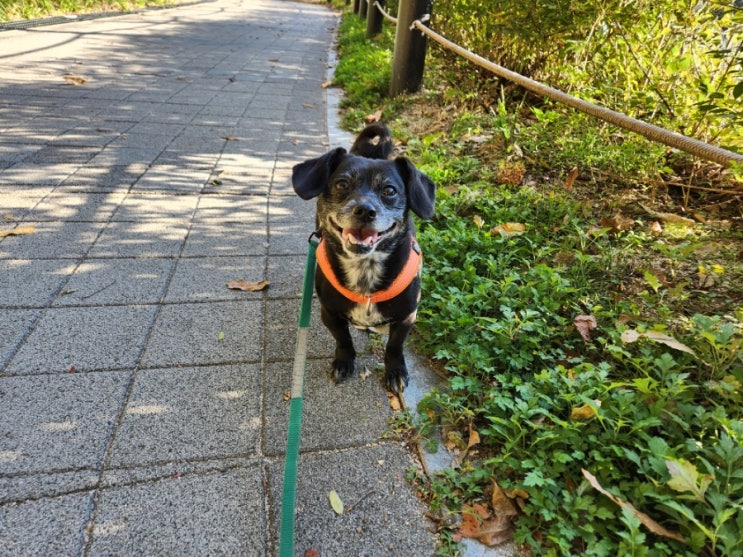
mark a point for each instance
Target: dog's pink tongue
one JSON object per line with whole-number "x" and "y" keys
{"x": 360, "y": 236}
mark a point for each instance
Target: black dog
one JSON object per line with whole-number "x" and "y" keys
{"x": 368, "y": 259}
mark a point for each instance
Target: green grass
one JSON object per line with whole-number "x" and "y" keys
{"x": 649, "y": 400}
{"x": 12, "y": 10}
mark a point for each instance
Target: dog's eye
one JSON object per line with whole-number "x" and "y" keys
{"x": 341, "y": 185}
{"x": 389, "y": 191}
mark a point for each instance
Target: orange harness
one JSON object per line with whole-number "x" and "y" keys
{"x": 401, "y": 282}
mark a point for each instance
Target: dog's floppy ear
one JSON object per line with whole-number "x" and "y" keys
{"x": 421, "y": 190}
{"x": 310, "y": 178}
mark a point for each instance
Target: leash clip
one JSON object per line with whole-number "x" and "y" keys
{"x": 314, "y": 238}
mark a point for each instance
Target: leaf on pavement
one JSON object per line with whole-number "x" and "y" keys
{"x": 18, "y": 231}
{"x": 75, "y": 80}
{"x": 241, "y": 284}
{"x": 335, "y": 502}
{"x": 649, "y": 523}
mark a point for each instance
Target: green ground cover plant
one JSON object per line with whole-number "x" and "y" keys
{"x": 12, "y": 10}
{"x": 587, "y": 311}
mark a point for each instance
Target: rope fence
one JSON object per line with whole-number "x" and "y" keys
{"x": 417, "y": 22}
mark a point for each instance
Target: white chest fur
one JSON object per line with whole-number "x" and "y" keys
{"x": 364, "y": 316}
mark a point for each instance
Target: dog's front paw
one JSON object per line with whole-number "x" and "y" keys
{"x": 396, "y": 378}
{"x": 343, "y": 369}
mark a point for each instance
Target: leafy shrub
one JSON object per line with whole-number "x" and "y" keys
{"x": 671, "y": 62}
{"x": 659, "y": 428}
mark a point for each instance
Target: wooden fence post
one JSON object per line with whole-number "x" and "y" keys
{"x": 356, "y": 6}
{"x": 363, "y": 8}
{"x": 374, "y": 20}
{"x": 410, "y": 48}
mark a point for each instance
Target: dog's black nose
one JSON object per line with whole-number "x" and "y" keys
{"x": 365, "y": 211}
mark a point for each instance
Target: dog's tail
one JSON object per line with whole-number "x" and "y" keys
{"x": 374, "y": 142}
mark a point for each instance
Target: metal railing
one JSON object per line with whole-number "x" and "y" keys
{"x": 408, "y": 66}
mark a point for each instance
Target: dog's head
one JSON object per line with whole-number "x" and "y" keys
{"x": 363, "y": 203}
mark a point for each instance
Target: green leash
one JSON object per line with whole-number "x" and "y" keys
{"x": 289, "y": 496}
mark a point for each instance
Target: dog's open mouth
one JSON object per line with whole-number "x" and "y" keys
{"x": 362, "y": 237}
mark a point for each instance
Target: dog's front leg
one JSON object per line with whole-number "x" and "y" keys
{"x": 345, "y": 355}
{"x": 395, "y": 370}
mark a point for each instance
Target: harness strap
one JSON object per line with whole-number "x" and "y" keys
{"x": 402, "y": 281}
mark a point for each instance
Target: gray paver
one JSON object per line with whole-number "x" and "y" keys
{"x": 212, "y": 514}
{"x": 53, "y": 526}
{"x": 58, "y": 422}
{"x": 64, "y": 338}
{"x": 206, "y": 333}
{"x": 190, "y": 413}
{"x": 142, "y": 403}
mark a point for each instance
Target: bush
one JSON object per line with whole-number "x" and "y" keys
{"x": 671, "y": 62}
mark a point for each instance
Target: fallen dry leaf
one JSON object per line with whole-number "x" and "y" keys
{"x": 311, "y": 553}
{"x": 501, "y": 502}
{"x": 21, "y": 230}
{"x": 241, "y": 284}
{"x": 617, "y": 223}
{"x": 395, "y": 403}
{"x": 584, "y": 412}
{"x": 479, "y": 524}
{"x": 229, "y": 138}
{"x": 75, "y": 79}
{"x": 656, "y": 229}
{"x": 335, "y": 502}
{"x": 327, "y": 84}
{"x": 631, "y": 335}
{"x": 570, "y": 178}
{"x": 508, "y": 229}
{"x": 649, "y": 523}
{"x": 585, "y": 324}
{"x": 375, "y": 117}
{"x": 667, "y": 217}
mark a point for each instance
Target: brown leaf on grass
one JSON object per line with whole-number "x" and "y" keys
{"x": 631, "y": 335}
{"x": 508, "y": 229}
{"x": 667, "y": 217}
{"x": 617, "y": 223}
{"x": 20, "y": 231}
{"x": 571, "y": 177}
{"x": 479, "y": 524}
{"x": 75, "y": 80}
{"x": 501, "y": 502}
{"x": 649, "y": 523}
{"x": 246, "y": 286}
{"x": 656, "y": 229}
{"x": 474, "y": 439}
{"x": 585, "y": 324}
{"x": 584, "y": 412}
{"x": 375, "y": 117}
